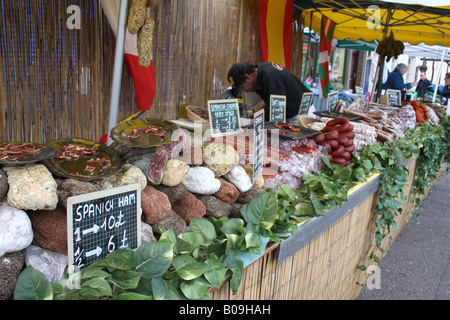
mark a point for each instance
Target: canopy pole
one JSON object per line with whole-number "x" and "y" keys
{"x": 309, "y": 45}
{"x": 439, "y": 75}
{"x": 379, "y": 65}
{"x": 118, "y": 66}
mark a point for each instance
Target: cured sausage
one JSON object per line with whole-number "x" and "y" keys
{"x": 350, "y": 135}
{"x": 339, "y": 161}
{"x": 350, "y": 149}
{"x": 342, "y": 141}
{"x": 319, "y": 138}
{"x": 333, "y": 134}
{"x": 333, "y": 143}
{"x": 338, "y": 124}
{"x": 346, "y": 155}
{"x": 338, "y": 152}
{"x": 326, "y": 145}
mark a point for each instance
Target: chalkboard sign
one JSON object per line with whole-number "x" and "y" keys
{"x": 258, "y": 143}
{"x": 101, "y": 222}
{"x": 394, "y": 97}
{"x": 332, "y": 100}
{"x": 277, "y": 108}
{"x": 307, "y": 100}
{"x": 224, "y": 117}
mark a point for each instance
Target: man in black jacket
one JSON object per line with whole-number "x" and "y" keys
{"x": 424, "y": 85}
{"x": 268, "y": 79}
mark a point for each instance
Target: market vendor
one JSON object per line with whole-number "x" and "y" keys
{"x": 395, "y": 80}
{"x": 268, "y": 79}
{"x": 445, "y": 93}
{"x": 424, "y": 85}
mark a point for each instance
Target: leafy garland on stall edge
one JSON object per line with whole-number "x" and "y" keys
{"x": 188, "y": 265}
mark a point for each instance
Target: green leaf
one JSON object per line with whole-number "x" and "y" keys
{"x": 96, "y": 287}
{"x": 232, "y": 226}
{"x": 153, "y": 259}
{"x": 164, "y": 290}
{"x": 204, "y": 227}
{"x": 261, "y": 212}
{"x": 131, "y": 296}
{"x": 121, "y": 259}
{"x": 189, "y": 241}
{"x": 32, "y": 285}
{"x": 125, "y": 279}
{"x": 187, "y": 267}
{"x": 195, "y": 290}
{"x": 93, "y": 272}
{"x": 169, "y": 237}
{"x": 215, "y": 272}
{"x": 253, "y": 240}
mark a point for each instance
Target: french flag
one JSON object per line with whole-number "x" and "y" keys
{"x": 144, "y": 79}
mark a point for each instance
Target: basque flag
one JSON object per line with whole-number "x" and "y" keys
{"x": 144, "y": 79}
{"x": 326, "y": 38}
{"x": 275, "y": 29}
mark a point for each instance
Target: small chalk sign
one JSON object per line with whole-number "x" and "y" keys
{"x": 394, "y": 97}
{"x": 99, "y": 223}
{"x": 305, "y": 104}
{"x": 332, "y": 100}
{"x": 224, "y": 117}
{"x": 277, "y": 108}
{"x": 258, "y": 143}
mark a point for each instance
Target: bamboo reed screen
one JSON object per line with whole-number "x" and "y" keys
{"x": 327, "y": 267}
{"x": 55, "y": 82}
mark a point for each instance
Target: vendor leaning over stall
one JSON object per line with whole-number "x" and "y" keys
{"x": 395, "y": 80}
{"x": 268, "y": 79}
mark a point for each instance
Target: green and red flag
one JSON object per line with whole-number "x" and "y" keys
{"x": 326, "y": 38}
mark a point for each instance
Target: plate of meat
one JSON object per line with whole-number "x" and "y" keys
{"x": 144, "y": 133}
{"x": 82, "y": 159}
{"x": 288, "y": 131}
{"x": 24, "y": 152}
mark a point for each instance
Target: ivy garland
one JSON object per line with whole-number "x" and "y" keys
{"x": 187, "y": 265}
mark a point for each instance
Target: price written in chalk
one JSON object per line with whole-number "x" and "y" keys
{"x": 277, "y": 108}
{"x": 224, "y": 117}
{"x": 101, "y": 222}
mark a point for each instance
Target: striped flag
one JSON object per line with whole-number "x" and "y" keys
{"x": 326, "y": 38}
{"x": 144, "y": 79}
{"x": 275, "y": 29}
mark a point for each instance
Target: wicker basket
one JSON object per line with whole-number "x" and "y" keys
{"x": 191, "y": 115}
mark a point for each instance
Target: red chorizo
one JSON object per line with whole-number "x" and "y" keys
{"x": 338, "y": 152}
{"x": 338, "y": 121}
{"x": 350, "y": 148}
{"x": 319, "y": 138}
{"x": 350, "y": 135}
{"x": 342, "y": 141}
{"x": 333, "y": 143}
{"x": 339, "y": 161}
{"x": 346, "y": 155}
{"x": 326, "y": 145}
{"x": 333, "y": 134}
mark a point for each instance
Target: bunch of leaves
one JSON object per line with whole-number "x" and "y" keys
{"x": 387, "y": 159}
{"x": 175, "y": 267}
{"x": 434, "y": 149}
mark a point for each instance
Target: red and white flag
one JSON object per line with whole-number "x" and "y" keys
{"x": 326, "y": 39}
{"x": 144, "y": 79}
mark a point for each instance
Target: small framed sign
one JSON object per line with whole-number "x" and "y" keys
{"x": 224, "y": 117}
{"x": 101, "y": 222}
{"x": 277, "y": 108}
{"x": 394, "y": 97}
{"x": 307, "y": 100}
{"x": 258, "y": 143}
{"x": 332, "y": 100}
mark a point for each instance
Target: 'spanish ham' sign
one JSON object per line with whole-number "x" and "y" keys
{"x": 101, "y": 222}
{"x": 224, "y": 117}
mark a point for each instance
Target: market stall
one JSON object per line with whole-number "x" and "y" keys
{"x": 217, "y": 209}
